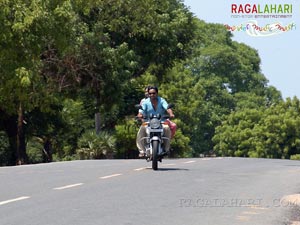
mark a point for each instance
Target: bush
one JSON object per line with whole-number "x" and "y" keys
{"x": 93, "y": 146}
{"x": 34, "y": 151}
{"x": 126, "y": 137}
{"x": 295, "y": 157}
{"x": 180, "y": 145}
{"x": 4, "y": 149}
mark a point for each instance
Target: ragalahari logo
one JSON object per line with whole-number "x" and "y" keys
{"x": 261, "y": 9}
{"x": 253, "y": 12}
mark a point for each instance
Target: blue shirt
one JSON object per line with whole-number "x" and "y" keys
{"x": 147, "y": 107}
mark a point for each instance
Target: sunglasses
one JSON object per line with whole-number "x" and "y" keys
{"x": 152, "y": 93}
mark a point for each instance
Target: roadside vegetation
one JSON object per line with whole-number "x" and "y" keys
{"x": 72, "y": 71}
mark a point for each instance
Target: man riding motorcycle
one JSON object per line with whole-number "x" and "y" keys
{"x": 153, "y": 105}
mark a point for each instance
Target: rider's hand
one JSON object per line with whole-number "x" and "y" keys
{"x": 139, "y": 116}
{"x": 171, "y": 114}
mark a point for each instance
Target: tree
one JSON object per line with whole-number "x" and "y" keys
{"x": 124, "y": 40}
{"x": 28, "y": 28}
{"x": 234, "y": 137}
{"x": 223, "y": 71}
{"x": 46, "y": 47}
{"x": 269, "y": 132}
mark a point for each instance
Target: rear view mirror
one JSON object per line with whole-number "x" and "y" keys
{"x": 138, "y": 106}
{"x": 171, "y": 105}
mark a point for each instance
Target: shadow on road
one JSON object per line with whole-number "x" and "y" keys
{"x": 293, "y": 165}
{"x": 170, "y": 169}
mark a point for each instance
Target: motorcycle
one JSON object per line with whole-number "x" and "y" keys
{"x": 154, "y": 139}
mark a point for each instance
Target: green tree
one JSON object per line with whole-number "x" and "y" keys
{"x": 235, "y": 136}
{"x": 225, "y": 73}
{"x": 125, "y": 40}
{"x": 269, "y": 132}
{"x": 28, "y": 28}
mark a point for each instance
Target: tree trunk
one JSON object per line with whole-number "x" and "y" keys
{"x": 97, "y": 111}
{"x": 21, "y": 146}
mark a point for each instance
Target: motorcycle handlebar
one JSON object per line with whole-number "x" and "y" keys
{"x": 145, "y": 118}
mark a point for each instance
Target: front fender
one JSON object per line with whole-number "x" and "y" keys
{"x": 155, "y": 138}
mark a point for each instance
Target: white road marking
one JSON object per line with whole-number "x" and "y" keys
{"x": 170, "y": 164}
{"x": 14, "y": 200}
{"x": 110, "y": 176}
{"x": 139, "y": 169}
{"x": 67, "y": 186}
{"x": 189, "y": 162}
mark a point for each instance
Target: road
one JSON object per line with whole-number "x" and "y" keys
{"x": 202, "y": 191}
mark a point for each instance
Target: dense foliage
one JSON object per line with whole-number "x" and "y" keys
{"x": 269, "y": 132}
{"x": 72, "y": 71}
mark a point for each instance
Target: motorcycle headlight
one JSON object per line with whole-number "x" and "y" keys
{"x": 154, "y": 123}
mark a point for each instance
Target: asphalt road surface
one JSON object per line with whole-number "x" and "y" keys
{"x": 207, "y": 191}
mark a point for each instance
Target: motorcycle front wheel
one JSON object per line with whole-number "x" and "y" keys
{"x": 154, "y": 154}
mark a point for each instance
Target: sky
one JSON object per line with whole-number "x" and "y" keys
{"x": 278, "y": 50}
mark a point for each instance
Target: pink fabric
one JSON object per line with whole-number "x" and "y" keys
{"x": 172, "y": 126}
